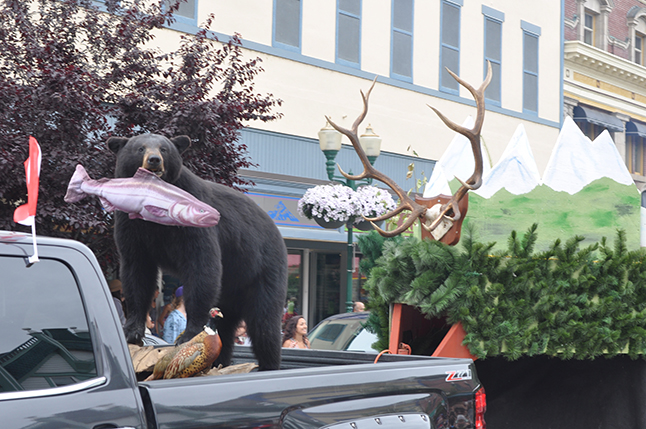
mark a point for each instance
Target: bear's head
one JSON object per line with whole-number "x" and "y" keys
{"x": 153, "y": 152}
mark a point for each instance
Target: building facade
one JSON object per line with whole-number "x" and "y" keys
{"x": 604, "y": 74}
{"x": 317, "y": 56}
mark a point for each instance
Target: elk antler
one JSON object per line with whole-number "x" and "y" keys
{"x": 407, "y": 203}
{"x": 473, "y": 135}
{"x": 370, "y": 172}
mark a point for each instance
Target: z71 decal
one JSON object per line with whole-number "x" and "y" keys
{"x": 463, "y": 374}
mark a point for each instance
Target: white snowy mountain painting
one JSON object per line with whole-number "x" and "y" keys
{"x": 586, "y": 190}
{"x": 516, "y": 171}
{"x": 457, "y": 161}
{"x": 576, "y": 161}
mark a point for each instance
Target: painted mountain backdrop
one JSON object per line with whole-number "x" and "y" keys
{"x": 586, "y": 190}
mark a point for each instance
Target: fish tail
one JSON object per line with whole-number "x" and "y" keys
{"x": 74, "y": 192}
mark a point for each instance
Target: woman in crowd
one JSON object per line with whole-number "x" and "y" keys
{"x": 295, "y": 336}
{"x": 176, "y": 321}
{"x": 241, "y": 336}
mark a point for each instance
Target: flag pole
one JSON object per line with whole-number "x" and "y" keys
{"x": 26, "y": 213}
{"x": 34, "y": 258}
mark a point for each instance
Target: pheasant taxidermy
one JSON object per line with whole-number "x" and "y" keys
{"x": 161, "y": 365}
{"x": 194, "y": 356}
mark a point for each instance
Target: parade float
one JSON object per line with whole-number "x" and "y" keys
{"x": 546, "y": 290}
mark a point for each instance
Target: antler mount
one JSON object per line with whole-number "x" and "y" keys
{"x": 440, "y": 216}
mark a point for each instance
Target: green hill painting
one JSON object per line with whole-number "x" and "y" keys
{"x": 596, "y": 211}
{"x": 585, "y": 190}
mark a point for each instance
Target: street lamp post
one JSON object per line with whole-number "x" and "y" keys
{"x": 330, "y": 143}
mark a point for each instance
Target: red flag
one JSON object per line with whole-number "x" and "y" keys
{"x": 26, "y": 213}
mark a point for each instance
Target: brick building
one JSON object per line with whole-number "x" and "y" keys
{"x": 604, "y": 74}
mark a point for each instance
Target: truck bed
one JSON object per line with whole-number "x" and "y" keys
{"x": 316, "y": 388}
{"x": 299, "y": 358}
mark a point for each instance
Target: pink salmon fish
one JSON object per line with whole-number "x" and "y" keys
{"x": 144, "y": 196}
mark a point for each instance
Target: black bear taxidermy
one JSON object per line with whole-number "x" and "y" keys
{"x": 239, "y": 265}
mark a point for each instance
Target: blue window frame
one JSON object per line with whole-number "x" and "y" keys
{"x": 401, "y": 42}
{"x": 493, "y": 20}
{"x": 187, "y": 12}
{"x": 531, "y": 33}
{"x": 287, "y": 24}
{"x": 635, "y": 153}
{"x": 450, "y": 45}
{"x": 348, "y": 33}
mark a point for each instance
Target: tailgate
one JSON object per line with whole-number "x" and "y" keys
{"x": 414, "y": 394}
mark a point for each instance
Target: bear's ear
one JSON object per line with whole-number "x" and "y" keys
{"x": 181, "y": 142}
{"x": 116, "y": 143}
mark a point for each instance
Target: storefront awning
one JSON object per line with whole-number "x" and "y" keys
{"x": 315, "y": 234}
{"x": 636, "y": 129}
{"x": 598, "y": 117}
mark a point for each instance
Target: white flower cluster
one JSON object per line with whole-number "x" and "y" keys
{"x": 374, "y": 202}
{"x": 341, "y": 203}
{"x": 330, "y": 202}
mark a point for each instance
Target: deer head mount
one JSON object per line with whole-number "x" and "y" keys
{"x": 441, "y": 216}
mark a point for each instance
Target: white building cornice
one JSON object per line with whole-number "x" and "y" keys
{"x": 603, "y": 62}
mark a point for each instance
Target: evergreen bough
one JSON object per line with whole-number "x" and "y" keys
{"x": 565, "y": 302}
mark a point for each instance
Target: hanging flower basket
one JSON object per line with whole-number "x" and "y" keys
{"x": 374, "y": 202}
{"x": 333, "y": 205}
{"x": 333, "y": 202}
{"x": 365, "y": 225}
{"x": 331, "y": 224}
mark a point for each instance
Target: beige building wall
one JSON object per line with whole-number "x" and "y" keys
{"x": 312, "y": 85}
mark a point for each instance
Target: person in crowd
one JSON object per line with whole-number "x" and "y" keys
{"x": 295, "y": 335}
{"x": 150, "y": 325}
{"x": 153, "y": 314}
{"x": 164, "y": 315}
{"x": 241, "y": 334}
{"x": 176, "y": 321}
{"x": 115, "y": 291}
{"x": 358, "y": 307}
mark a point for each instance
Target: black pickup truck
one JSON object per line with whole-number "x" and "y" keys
{"x": 64, "y": 363}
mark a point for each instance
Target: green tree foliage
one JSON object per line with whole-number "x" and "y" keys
{"x": 566, "y": 302}
{"x": 372, "y": 245}
{"x": 73, "y": 72}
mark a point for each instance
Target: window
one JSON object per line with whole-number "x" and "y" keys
{"x": 590, "y": 130}
{"x": 635, "y": 154}
{"x": 294, "y": 283}
{"x": 327, "y": 297}
{"x": 45, "y": 337}
{"x": 401, "y": 57}
{"x": 530, "y": 67}
{"x": 493, "y": 52}
{"x": 287, "y": 24}
{"x": 343, "y": 334}
{"x": 348, "y": 33}
{"x": 639, "y": 49}
{"x": 588, "y": 28}
{"x": 635, "y": 147}
{"x": 450, "y": 46}
{"x": 187, "y": 11}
